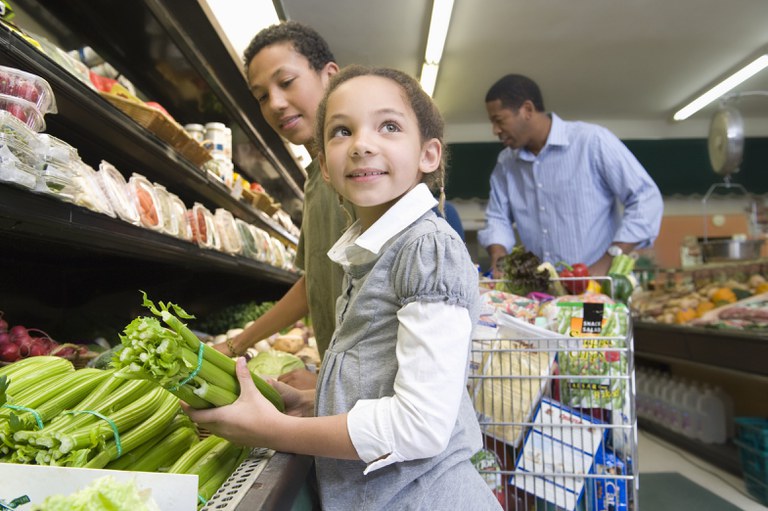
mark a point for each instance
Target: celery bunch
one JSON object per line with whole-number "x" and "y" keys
{"x": 213, "y": 460}
{"x": 174, "y": 357}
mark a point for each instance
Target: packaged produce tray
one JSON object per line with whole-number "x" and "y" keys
{"x": 161, "y": 125}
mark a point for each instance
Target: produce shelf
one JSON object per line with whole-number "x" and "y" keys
{"x": 727, "y": 349}
{"x": 100, "y": 131}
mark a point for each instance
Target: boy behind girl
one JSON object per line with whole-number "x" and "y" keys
{"x": 288, "y": 66}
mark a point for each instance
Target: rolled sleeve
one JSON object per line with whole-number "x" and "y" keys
{"x": 418, "y": 420}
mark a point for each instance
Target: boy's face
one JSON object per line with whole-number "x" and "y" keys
{"x": 288, "y": 90}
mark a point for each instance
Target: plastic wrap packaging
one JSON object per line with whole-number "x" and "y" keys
{"x": 57, "y": 178}
{"x": 170, "y": 221}
{"x": 203, "y": 227}
{"x": 228, "y": 232}
{"x": 278, "y": 251}
{"x": 24, "y": 111}
{"x": 221, "y": 168}
{"x": 20, "y": 132}
{"x": 263, "y": 245}
{"x": 250, "y": 248}
{"x": 146, "y": 201}
{"x": 50, "y": 146}
{"x": 14, "y": 171}
{"x": 179, "y": 215}
{"x": 90, "y": 194}
{"x": 115, "y": 188}
{"x": 28, "y": 87}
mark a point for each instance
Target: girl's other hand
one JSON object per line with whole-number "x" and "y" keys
{"x": 298, "y": 402}
{"x": 251, "y": 420}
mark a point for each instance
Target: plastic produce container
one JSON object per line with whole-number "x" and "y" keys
{"x": 169, "y": 225}
{"x": 24, "y": 111}
{"x": 249, "y": 242}
{"x": 263, "y": 245}
{"x": 14, "y": 171}
{"x": 146, "y": 202}
{"x": 28, "y": 87}
{"x": 14, "y": 128}
{"x": 228, "y": 231}
{"x": 115, "y": 188}
{"x": 56, "y": 148}
{"x": 57, "y": 178}
{"x": 179, "y": 214}
{"x": 203, "y": 227}
{"x": 90, "y": 194}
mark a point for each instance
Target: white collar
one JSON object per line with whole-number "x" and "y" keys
{"x": 354, "y": 247}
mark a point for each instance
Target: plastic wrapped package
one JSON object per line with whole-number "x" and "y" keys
{"x": 50, "y": 146}
{"x": 14, "y": 128}
{"x": 263, "y": 245}
{"x": 278, "y": 249}
{"x": 228, "y": 231}
{"x": 203, "y": 227}
{"x": 23, "y": 151}
{"x": 27, "y": 87}
{"x": 179, "y": 214}
{"x": 146, "y": 201}
{"x": 57, "y": 178}
{"x": 221, "y": 168}
{"x": 90, "y": 194}
{"x": 250, "y": 249}
{"x": 24, "y": 111}
{"x": 14, "y": 171}
{"x": 115, "y": 188}
{"x": 169, "y": 225}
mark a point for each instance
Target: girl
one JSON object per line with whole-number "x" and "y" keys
{"x": 394, "y": 425}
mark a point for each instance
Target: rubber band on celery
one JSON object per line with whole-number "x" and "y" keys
{"x": 108, "y": 421}
{"x": 194, "y": 372}
{"x": 38, "y": 419}
{"x": 15, "y": 502}
{"x": 201, "y": 499}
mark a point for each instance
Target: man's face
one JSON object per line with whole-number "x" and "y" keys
{"x": 509, "y": 126}
{"x": 288, "y": 90}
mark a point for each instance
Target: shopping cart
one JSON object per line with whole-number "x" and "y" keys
{"x": 558, "y": 412}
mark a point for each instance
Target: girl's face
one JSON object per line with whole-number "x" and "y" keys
{"x": 288, "y": 90}
{"x": 373, "y": 152}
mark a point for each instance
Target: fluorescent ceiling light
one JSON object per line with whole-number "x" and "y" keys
{"x": 438, "y": 32}
{"x": 721, "y": 88}
{"x": 429, "y": 77}
{"x": 240, "y": 21}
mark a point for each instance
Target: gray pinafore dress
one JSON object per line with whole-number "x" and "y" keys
{"x": 426, "y": 262}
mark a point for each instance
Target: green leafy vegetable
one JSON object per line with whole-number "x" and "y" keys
{"x": 273, "y": 363}
{"x": 103, "y": 493}
{"x": 521, "y": 272}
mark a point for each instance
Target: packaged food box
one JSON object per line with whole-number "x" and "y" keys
{"x": 14, "y": 171}
{"x": 23, "y": 110}
{"x": 56, "y": 148}
{"x": 29, "y": 87}
{"x": 56, "y": 178}
{"x": 228, "y": 232}
{"x": 13, "y": 127}
{"x": 21, "y": 150}
{"x": 146, "y": 201}
{"x": 263, "y": 245}
{"x": 115, "y": 188}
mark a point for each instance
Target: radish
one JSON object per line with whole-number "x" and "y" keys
{"x": 9, "y": 352}
{"x": 5, "y": 337}
{"x": 17, "y": 333}
{"x": 39, "y": 347}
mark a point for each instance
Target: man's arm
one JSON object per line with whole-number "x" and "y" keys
{"x": 601, "y": 266}
{"x": 496, "y": 252}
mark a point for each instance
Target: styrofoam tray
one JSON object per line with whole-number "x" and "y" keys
{"x": 171, "y": 492}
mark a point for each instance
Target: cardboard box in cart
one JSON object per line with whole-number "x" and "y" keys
{"x": 171, "y": 492}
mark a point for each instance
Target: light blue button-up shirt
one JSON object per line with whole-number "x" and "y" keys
{"x": 583, "y": 191}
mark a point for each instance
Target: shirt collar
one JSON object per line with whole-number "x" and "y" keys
{"x": 558, "y": 136}
{"x": 403, "y": 213}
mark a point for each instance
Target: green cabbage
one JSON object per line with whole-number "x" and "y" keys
{"x": 273, "y": 363}
{"x": 102, "y": 494}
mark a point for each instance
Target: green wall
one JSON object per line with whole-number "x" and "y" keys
{"x": 679, "y": 166}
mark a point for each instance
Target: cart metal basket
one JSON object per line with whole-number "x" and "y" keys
{"x": 558, "y": 415}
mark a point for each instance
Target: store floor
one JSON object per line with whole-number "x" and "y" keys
{"x": 660, "y": 457}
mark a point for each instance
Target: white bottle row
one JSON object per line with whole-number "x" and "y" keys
{"x": 694, "y": 409}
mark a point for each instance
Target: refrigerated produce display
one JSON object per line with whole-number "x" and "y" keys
{"x": 95, "y": 206}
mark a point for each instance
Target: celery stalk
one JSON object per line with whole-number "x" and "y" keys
{"x": 224, "y": 468}
{"x": 184, "y": 464}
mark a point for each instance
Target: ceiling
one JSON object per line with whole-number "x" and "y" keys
{"x": 626, "y": 64}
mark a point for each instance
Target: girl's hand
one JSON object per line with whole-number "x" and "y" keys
{"x": 298, "y": 403}
{"x": 251, "y": 420}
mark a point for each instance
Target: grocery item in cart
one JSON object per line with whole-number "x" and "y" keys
{"x": 560, "y": 449}
{"x": 510, "y": 375}
{"x": 520, "y": 307}
{"x": 595, "y": 356}
{"x": 115, "y": 188}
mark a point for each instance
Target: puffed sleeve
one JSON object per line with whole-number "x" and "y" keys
{"x": 436, "y": 268}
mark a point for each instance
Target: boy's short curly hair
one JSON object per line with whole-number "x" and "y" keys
{"x": 304, "y": 39}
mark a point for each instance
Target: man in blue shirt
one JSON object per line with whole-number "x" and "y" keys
{"x": 573, "y": 191}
